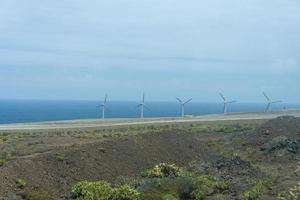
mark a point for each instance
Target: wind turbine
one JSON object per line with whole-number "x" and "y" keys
{"x": 269, "y": 102}
{"x": 103, "y": 105}
{"x": 225, "y": 102}
{"x": 182, "y": 103}
{"x": 142, "y": 105}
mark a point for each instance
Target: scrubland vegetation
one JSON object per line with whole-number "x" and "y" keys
{"x": 244, "y": 160}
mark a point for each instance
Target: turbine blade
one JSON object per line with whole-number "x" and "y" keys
{"x": 266, "y": 96}
{"x": 188, "y": 101}
{"x": 179, "y": 99}
{"x": 105, "y": 99}
{"x": 276, "y": 101}
{"x": 231, "y": 102}
{"x": 143, "y": 100}
{"x": 222, "y": 96}
{"x": 268, "y": 107}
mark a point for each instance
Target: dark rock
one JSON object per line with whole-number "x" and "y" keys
{"x": 281, "y": 142}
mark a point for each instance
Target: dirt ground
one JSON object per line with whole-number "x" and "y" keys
{"x": 238, "y": 152}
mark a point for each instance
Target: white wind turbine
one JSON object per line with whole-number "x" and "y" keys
{"x": 183, "y": 103}
{"x": 142, "y": 105}
{"x": 225, "y": 102}
{"x": 269, "y": 102}
{"x": 103, "y": 106}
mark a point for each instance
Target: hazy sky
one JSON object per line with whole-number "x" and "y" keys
{"x": 81, "y": 49}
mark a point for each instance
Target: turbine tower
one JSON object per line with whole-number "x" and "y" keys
{"x": 269, "y": 102}
{"x": 103, "y": 106}
{"x": 225, "y": 102}
{"x": 142, "y": 105}
{"x": 183, "y": 104}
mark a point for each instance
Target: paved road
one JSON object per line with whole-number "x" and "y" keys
{"x": 92, "y": 123}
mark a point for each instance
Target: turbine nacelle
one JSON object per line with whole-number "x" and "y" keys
{"x": 183, "y": 103}
{"x": 269, "y": 102}
{"x": 225, "y": 103}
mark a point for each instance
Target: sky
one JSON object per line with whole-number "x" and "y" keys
{"x": 75, "y": 49}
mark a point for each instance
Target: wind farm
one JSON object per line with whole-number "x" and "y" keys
{"x": 149, "y": 100}
{"x": 141, "y": 119}
{"x": 183, "y": 103}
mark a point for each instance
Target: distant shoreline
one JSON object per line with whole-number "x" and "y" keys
{"x": 12, "y": 112}
{"x": 94, "y": 123}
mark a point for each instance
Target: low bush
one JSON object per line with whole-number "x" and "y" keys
{"x": 21, "y": 183}
{"x": 99, "y": 190}
{"x": 102, "y": 190}
{"x": 170, "y": 197}
{"x": 292, "y": 194}
{"x": 257, "y": 191}
{"x": 163, "y": 182}
{"x": 207, "y": 185}
{"x": 165, "y": 188}
{"x": 126, "y": 193}
{"x": 178, "y": 184}
{"x": 163, "y": 170}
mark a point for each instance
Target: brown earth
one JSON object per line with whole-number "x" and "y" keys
{"x": 57, "y": 171}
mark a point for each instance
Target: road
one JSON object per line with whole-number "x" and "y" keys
{"x": 94, "y": 123}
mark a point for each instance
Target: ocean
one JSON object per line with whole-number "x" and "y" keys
{"x": 20, "y": 111}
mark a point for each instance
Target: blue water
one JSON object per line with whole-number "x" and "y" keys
{"x": 16, "y": 111}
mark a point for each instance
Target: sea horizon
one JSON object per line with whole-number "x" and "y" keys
{"x": 26, "y": 111}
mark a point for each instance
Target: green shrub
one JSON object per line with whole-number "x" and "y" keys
{"x": 168, "y": 180}
{"x": 207, "y": 185}
{"x": 257, "y": 191}
{"x": 163, "y": 188}
{"x": 21, "y": 183}
{"x": 163, "y": 170}
{"x": 99, "y": 190}
{"x": 252, "y": 194}
{"x": 198, "y": 194}
{"x": 170, "y": 197}
{"x": 126, "y": 193}
{"x": 163, "y": 182}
